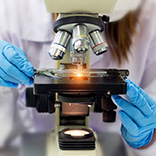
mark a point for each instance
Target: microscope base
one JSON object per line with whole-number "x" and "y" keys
{"x": 107, "y": 144}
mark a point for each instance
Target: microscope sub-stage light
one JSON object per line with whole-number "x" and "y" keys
{"x": 79, "y": 74}
{"x": 76, "y": 132}
{"x": 76, "y": 139}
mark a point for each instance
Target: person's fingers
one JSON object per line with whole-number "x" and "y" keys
{"x": 12, "y": 71}
{"x": 31, "y": 81}
{"x": 136, "y": 141}
{"x": 20, "y": 51}
{"x": 7, "y": 84}
{"x": 7, "y": 77}
{"x": 131, "y": 110}
{"x": 16, "y": 57}
{"x": 128, "y": 123}
{"x": 150, "y": 100}
{"x": 129, "y": 138}
{"x": 137, "y": 99}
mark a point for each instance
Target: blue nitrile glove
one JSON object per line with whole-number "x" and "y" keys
{"x": 14, "y": 67}
{"x": 138, "y": 116}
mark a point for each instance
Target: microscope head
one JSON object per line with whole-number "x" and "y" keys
{"x": 80, "y": 6}
{"x": 82, "y": 31}
{"x": 80, "y": 26}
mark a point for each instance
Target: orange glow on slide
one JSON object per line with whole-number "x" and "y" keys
{"x": 79, "y": 74}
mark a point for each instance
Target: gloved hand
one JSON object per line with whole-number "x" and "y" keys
{"x": 138, "y": 116}
{"x": 14, "y": 67}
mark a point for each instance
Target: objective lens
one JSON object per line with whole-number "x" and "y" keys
{"x": 80, "y": 39}
{"x": 80, "y": 44}
{"x": 77, "y": 58}
{"x": 99, "y": 46}
{"x": 59, "y": 45}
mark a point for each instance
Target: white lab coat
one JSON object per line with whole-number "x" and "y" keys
{"x": 27, "y": 25}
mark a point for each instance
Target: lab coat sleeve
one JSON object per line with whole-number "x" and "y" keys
{"x": 148, "y": 82}
{"x": 3, "y": 21}
{"x": 9, "y": 20}
{"x": 149, "y": 77}
{"x": 14, "y": 119}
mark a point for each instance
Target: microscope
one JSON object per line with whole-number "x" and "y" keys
{"x": 73, "y": 90}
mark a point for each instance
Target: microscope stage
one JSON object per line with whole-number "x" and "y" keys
{"x": 99, "y": 81}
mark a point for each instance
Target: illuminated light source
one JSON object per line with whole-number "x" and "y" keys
{"x": 76, "y": 133}
{"x": 76, "y": 139}
{"x": 79, "y": 74}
